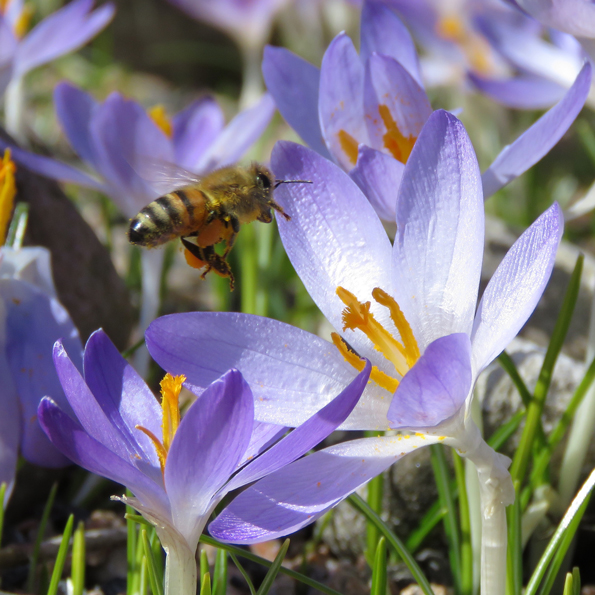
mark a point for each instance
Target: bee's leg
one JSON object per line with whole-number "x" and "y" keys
{"x": 235, "y": 225}
{"x": 211, "y": 260}
{"x": 279, "y": 209}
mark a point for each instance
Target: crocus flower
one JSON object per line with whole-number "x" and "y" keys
{"x": 544, "y": 63}
{"x": 409, "y": 308}
{"x": 115, "y": 137}
{"x": 246, "y": 21}
{"x": 177, "y": 469}
{"x": 576, "y": 17}
{"x": 60, "y": 33}
{"x": 31, "y": 320}
{"x": 365, "y": 112}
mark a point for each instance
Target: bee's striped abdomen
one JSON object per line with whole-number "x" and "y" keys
{"x": 170, "y": 216}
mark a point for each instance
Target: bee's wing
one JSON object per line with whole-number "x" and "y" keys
{"x": 163, "y": 176}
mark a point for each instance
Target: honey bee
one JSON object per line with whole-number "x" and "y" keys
{"x": 209, "y": 210}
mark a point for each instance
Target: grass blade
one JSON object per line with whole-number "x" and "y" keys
{"x": 535, "y": 409}
{"x": 465, "y": 527}
{"x": 78, "y": 560}
{"x": 375, "y": 493}
{"x": 564, "y": 533}
{"x": 38, "y": 539}
{"x": 243, "y": 573}
{"x": 205, "y": 584}
{"x": 379, "y": 569}
{"x": 267, "y": 583}
{"x": 514, "y": 574}
{"x": 451, "y": 528}
{"x": 232, "y": 549}
{"x": 395, "y": 543}
{"x": 156, "y": 586}
{"x": 220, "y": 573}
{"x": 61, "y": 557}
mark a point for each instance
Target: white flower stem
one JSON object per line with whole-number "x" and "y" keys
{"x": 252, "y": 86}
{"x": 151, "y": 267}
{"x": 14, "y": 109}
{"x": 180, "y": 569}
{"x": 496, "y": 492}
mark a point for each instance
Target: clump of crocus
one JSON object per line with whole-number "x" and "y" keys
{"x": 410, "y": 308}
{"x": 178, "y": 469}
{"x": 366, "y": 111}
{"x": 121, "y": 142}
{"x": 31, "y": 320}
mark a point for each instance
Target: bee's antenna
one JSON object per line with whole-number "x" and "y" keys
{"x": 279, "y": 182}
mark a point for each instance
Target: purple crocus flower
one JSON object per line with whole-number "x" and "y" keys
{"x": 31, "y": 320}
{"x": 118, "y": 139}
{"x": 576, "y": 17}
{"x": 366, "y": 112}
{"x": 115, "y": 136}
{"x": 60, "y": 33}
{"x": 545, "y": 63}
{"x": 177, "y": 480}
{"x": 408, "y": 307}
{"x": 247, "y": 21}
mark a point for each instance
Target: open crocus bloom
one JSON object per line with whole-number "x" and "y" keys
{"x": 177, "y": 469}
{"x": 113, "y": 137}
{"x": 120, "y": 141}
{"x": 366, "y": 111}
{"x": 60, "y": 33}
{"x": 409, "y": 308}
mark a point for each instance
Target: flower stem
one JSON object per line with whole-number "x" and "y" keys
{"x": 251, "y": 76}
{"x": 180, "y": 569}
{"x": 13, "y": 109}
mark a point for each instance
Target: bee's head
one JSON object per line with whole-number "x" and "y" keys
{"x": 263, "y": 178}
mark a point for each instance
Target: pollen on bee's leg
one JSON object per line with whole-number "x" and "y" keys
{"x": 194, "y": 261}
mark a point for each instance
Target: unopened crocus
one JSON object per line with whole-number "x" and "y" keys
{"x": 178, "y": 469}
{"x": 409, "y": 308}
{"x": 31, "y": 320}
{"x": 366, "y": 112}
{"x": 128, "y": 147}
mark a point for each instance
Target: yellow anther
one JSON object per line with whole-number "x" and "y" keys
{"x": 378, "y": 376}
{"x": 349, "y": 145}
{"x": 161, "y": 119}
{"x": 4, "y": 5}
{"x": 450, "y": 27}
{"x": 357, "y": 315}
{"x": 170, "y": 409}
{"x": 22, "y": 23}
{"x": 399, "y": 145}
{"x": 7, "y": 193}
{"x": 161, "y": 452}
{"x": 403, "y": 326}
{"x": 170, "y": 393}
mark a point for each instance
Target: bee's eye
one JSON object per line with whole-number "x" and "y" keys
{"x": 263, "y": 181}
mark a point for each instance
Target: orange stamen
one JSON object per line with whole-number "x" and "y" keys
{"x": 161, "y": 119}
{"x": 395, "y": 142}
{"x": 349, "y": 145}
